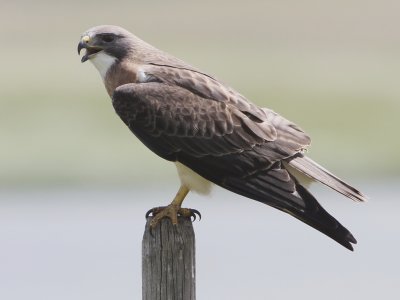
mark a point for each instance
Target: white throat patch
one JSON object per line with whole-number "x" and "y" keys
{"x": 102, "y": 61}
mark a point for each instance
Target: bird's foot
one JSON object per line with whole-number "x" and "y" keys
{"x": 172, "y": 212}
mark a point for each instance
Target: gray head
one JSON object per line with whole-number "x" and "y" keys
{"x": 107, "y": 45}
{"x": 107, "y": 39}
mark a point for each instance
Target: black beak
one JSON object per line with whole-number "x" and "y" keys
{"x": 83, "y": 45}
{"x": 90, "y": 50}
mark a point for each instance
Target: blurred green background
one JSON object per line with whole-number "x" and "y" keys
{"x": 330, "y": 66}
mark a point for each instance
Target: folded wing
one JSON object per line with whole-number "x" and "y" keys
{"x": 226, "y": 145}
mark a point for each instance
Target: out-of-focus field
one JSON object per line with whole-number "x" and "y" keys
{"x": 332, "y": 67}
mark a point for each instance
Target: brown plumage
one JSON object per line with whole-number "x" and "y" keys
{"x": 187, "y": 116}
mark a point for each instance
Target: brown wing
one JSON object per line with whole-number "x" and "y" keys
{"x": 203, "y": 126}
{"x": 223, "y": 144}
{"x": 204, "y": 86}
{"x": 208, "y": 87}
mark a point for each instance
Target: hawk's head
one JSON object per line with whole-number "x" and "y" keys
{"x": 105, "y": 45}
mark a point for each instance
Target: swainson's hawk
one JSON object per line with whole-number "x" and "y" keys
{"x": 211, "y": 132}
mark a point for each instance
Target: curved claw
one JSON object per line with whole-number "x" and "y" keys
{"x": 172, "y": 212}
{"x": 149, "y": 213}
{"x": 194, "y": 213}
{"x": 152, "y": 212}
{"x": 192, "y": 217}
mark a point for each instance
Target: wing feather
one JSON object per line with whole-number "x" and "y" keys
{"x": 206, "y": 87}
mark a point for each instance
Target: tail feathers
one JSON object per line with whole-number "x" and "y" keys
{"x": 317, "y": 217}
{"x": 298, "y": 203}
{"x": 310, "y": 168}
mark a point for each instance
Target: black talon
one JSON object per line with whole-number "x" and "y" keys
{"x": 152, "y": 212}
{"x": 149, "y": 212}
{"x": 193, "y": 217}
{"x": 194, "y": 212}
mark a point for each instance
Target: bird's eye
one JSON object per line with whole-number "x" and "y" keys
{"x": 107, "y": 38}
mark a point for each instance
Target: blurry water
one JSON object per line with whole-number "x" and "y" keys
{"x": 85, "y": 244}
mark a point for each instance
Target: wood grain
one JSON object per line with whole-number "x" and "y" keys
{"x": 168, "y": 261}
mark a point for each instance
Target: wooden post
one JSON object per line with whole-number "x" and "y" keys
{"x": 168, "y": 261}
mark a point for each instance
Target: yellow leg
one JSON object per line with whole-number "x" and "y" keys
{"x": 173, "y": 210}
{"x": 180, "y": 196}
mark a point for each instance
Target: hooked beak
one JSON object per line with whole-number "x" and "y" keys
{"x": 91, "y": 50}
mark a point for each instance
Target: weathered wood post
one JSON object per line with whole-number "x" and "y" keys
{"x": 168, "y": 261}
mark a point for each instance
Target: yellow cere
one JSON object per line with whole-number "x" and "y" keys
{"x": 86, "y": 38}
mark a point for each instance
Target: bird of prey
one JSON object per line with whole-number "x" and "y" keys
{"x": 213, "y": 134}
